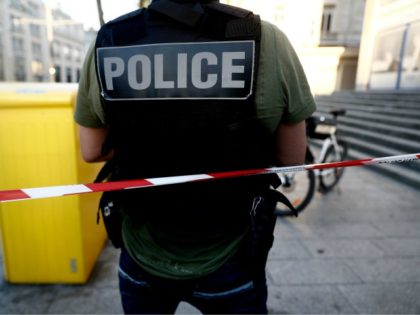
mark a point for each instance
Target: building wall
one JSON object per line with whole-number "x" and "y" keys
{"x": 329, "y": 57}
{"x": 2, "y": 40}
{"x": 68, "y": 49}
{"x": 390, "y": 47}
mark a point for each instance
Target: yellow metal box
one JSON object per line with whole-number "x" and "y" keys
{"x": 52, "y": 240}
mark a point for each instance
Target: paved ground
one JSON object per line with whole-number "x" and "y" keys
{"x": 351, "y": 252}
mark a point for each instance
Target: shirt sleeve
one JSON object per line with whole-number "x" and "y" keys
{"x": 282, "y": 85}
{"x": 89, "y": 111}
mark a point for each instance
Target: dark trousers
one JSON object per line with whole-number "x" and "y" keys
{"x": 230, "y": 290}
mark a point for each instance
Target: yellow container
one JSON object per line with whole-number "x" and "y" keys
{"x": 52, "y": 240}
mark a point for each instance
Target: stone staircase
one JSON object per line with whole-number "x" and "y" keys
{"x": 379, "y": 124}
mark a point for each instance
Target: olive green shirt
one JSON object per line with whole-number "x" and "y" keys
{"x": 282, "y": 95}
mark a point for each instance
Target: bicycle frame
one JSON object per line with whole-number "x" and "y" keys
{"x": 326, "y": 143}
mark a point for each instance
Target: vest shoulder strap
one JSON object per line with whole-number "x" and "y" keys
{"x": 229, "y": 10}
{"x": 183, "y": 14}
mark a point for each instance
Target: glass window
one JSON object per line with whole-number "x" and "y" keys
{"x": 57, "y": 74}
{"x": 327, "y": 18}
{"x": 18, "y": 47}
{"x": 56, "y": 49}
{"x": 35, "y": 30}
{"x": 68, "y": 75}
{"x": 67, "y": 52}
{"x": 36, "y": 51}
{"x": 20, "y": 68}
{"x": 37, "y": 70}
{"x": 15, "y": 24}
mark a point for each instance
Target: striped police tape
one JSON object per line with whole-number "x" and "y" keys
{"x": 65, "y": 190}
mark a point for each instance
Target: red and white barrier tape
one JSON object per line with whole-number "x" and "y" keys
{"x": 57, "y": 191}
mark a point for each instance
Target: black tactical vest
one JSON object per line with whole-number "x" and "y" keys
{"x": 178, "y": 83}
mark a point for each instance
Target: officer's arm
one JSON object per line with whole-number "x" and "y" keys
{"x": 291, "y": 143}
{"x": 91, "y": 141}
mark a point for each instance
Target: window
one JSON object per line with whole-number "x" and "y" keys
{"x": 36, "y": 51}
{"x": 34, "y": 9}
{"x": 279, "y": 14}
{"x": 37, "y": 70}
{"x": 327, "y": 27}
{"x": 327, "y": 18}
{"x": 67, "y": 52}
{"x": 68, "y": 75}
{"x": 35, "y": 30}
{"x": 18, "y": 46}
{"x": 20, "y": 68}
{"x": 15, "y": 24}
{"x": 57, "y": 74}
{"x": 1, "y": 58}
{"x": 77, "y": 54}
{"x": 56, "y": 49}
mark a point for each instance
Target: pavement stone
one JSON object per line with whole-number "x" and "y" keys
{"x": 355, "y": 250}
{"x": 343, "y": 248}
{"x": 389, "y": 269}
{"x": 311, "y": 272}
{"x": 401, "y": 247}
{"x": 288, "y": 249}
{"x": 388, "y": 298}
{"x": 69, "y": 300}
{"x": 304, "y": 299}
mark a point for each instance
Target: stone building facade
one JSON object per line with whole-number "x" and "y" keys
{"x": 38, "y": 44}
{"x": 325, "y": 33}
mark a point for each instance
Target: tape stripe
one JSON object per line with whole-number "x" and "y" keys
{"x": 43, "y": 192}
{"x": 178, "y": 179}
{"x": 339, "y": 164}
{"x": 240, "y": 173}
{"x": 56, "y": 191}
{"x": 120, "y": 185}
{"x": 16, "y": 194}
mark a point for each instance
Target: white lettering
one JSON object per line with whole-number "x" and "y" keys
{"x": 113, "y": 67}
{"x": 196, "y": 68}
{"x": 160, "y": 82}
{"x": 228, "y": 69}
{"x": 182, "y": 71}
{"x": 134, "y": 63}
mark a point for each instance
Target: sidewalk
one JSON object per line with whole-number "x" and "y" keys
{"x": 351, "y": 252}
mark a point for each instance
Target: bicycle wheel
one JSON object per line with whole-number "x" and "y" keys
{"x": 299, "y": 188}
{"x": 328, "y": 178}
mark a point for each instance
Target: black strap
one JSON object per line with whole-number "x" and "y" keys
{"x": 229, "y": 10}
{"x": 244, "y": 28}
{"x": 105, "y": 171}
{"x": 277, "y": 196}
{"x": 181, "y": 13}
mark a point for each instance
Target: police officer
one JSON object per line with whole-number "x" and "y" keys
{"x": 187, "y": 87}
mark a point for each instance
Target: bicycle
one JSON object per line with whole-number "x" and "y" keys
{"x": 299, "y": 187}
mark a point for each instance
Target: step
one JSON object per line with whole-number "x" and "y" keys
{"x": 380, "y": 138}
{"x": 367, "y": 107}
{"x": 391, "y": 120}
{"x": 405, "y": 173}
{"x": 412, "y": 100}
{"x": 377, "y": 150}
{"x": 402, "y": 132}
{"x": 412, "y": 104}
{"x": 398, "y": 96}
